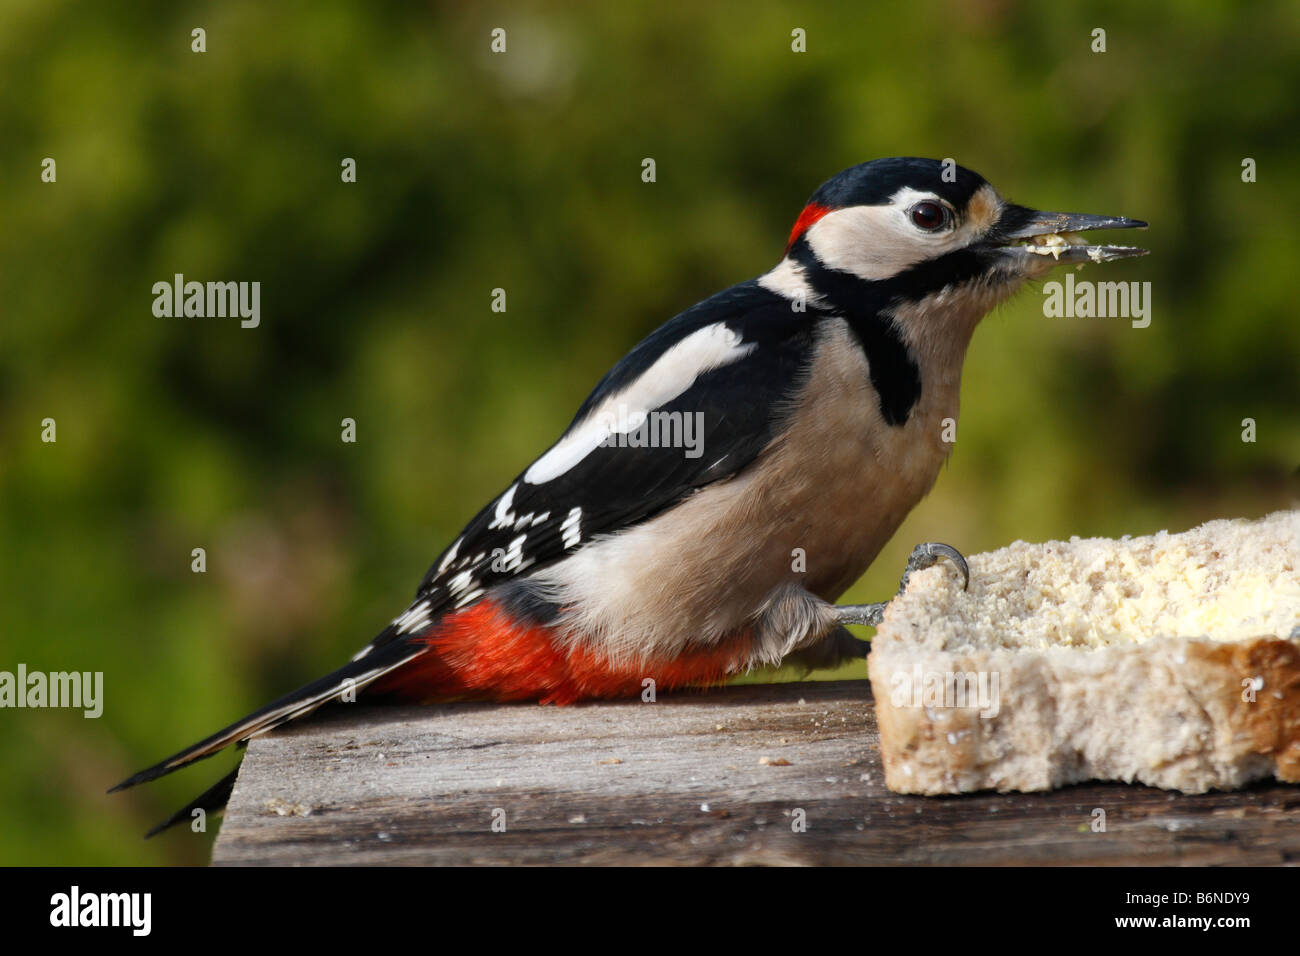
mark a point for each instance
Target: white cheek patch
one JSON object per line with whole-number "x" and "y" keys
{"x": 672, "y": 374}
{"x": 879, "y": 242}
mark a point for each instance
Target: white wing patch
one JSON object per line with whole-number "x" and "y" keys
{"x": 571, "y": 530}
{"x": 415, "y": 618}
{"x": 513, "y": 559}
{"x": 504, "y": 516}
{"x": 450, "y": 556}
{"x": 469, "y": 596}
{"x": 671, "y": 374}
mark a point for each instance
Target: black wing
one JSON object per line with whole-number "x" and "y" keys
{"x": 737, "y": 407}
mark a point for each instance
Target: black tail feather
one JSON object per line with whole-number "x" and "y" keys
{"x": 353, "y": 675}
{"x": 213, "y": 798}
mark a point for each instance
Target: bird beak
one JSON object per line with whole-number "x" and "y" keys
{"x": 1035, "y": 239}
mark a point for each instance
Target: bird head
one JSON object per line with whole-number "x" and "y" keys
{"x": 907, "y": 229}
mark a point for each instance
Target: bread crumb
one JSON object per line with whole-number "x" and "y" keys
{"x": 282, "y": 808}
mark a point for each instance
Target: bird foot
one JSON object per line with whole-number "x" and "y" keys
{"x": 923, "y": 556}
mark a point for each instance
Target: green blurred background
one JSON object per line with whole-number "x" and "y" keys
{"x": 522, "y": 171}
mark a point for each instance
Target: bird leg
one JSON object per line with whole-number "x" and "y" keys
{"x": 923, "y": 556}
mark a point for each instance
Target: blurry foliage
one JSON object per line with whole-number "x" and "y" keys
{"x": 523, "y": 171}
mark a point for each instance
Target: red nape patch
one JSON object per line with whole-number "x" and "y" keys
{"x": 811, "y": 213}
{"x": 484, "y": 653}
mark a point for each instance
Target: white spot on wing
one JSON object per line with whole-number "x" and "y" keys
{"x": 504, "y": 517}
{"x": 450, "y": 556}
{"x": 470, "y": 596}
{"x": 668, "y": 377}
{"x": 514, "y": 555}
{"x": 571, "y": 530}
{"x": 415, "y": 618}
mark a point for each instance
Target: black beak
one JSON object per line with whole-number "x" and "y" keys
{"x": 1029, "y": 235}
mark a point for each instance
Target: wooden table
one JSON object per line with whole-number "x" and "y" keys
{"x": 684, "y": 781}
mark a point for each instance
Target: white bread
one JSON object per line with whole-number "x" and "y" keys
{"x": 1172, "y": 660}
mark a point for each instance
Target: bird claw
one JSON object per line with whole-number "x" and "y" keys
{"x": 923, "y": 556}
{"x": 930, "y": 553}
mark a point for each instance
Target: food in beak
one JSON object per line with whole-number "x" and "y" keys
{"x": 1052, "y": 243}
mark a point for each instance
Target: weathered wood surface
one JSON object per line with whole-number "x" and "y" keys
{"x": 680, "y": 782}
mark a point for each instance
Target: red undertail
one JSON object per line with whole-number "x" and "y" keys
{"x": 483, "y": 652}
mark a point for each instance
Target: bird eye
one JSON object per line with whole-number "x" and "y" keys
{"x": 928, "y": 215}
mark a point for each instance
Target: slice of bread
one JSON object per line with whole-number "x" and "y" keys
{"x": 1171, "y": 660}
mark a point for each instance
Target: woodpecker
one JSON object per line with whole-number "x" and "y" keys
{"x": 818, "y": 393}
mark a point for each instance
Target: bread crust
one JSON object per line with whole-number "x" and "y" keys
{"x": 1191, "y": 713}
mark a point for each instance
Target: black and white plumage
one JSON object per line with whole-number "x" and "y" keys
{"x": 820, "y": 391}
{"x": 731, "y": 360}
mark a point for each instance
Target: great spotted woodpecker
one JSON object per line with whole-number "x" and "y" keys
{"x": 819, "y": 392}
